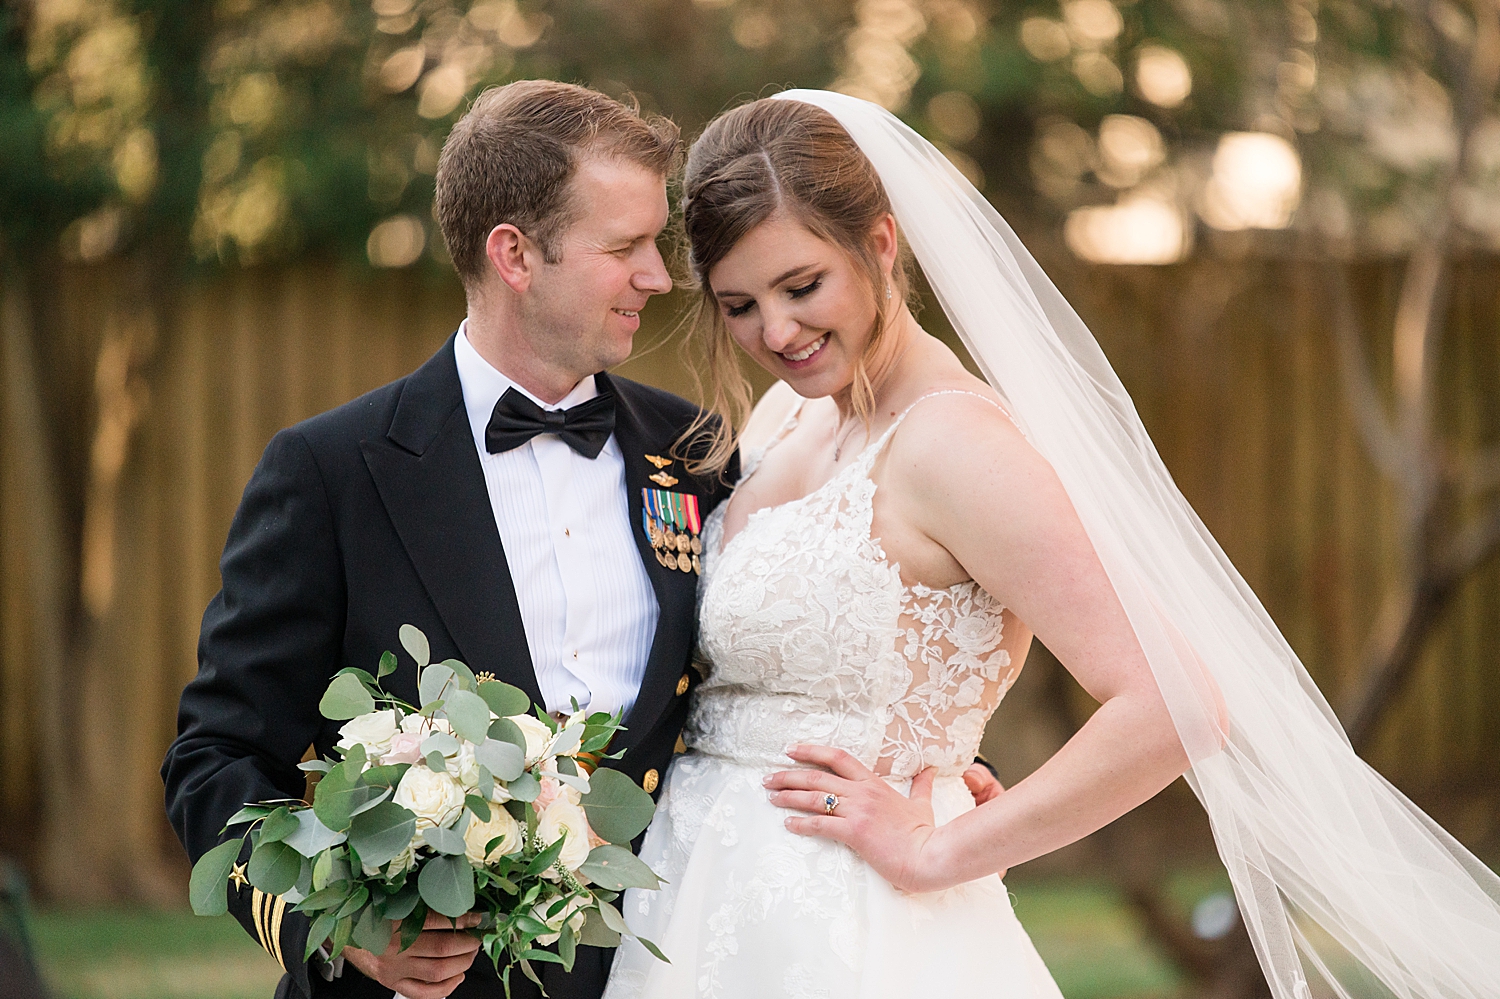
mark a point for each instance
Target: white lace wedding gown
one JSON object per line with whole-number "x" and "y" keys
{"x": 813, "y": 637}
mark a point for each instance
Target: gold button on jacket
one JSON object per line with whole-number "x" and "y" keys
{"x": 649, "y": 781}
{"x": 682, "y": 685}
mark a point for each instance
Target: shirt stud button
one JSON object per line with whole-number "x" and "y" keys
{"x": 649, "y": 780}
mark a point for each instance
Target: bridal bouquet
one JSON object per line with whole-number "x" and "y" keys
{"x": 465, "y": 804}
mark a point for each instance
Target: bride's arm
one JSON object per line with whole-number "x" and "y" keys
{"x": 964, "y": 476}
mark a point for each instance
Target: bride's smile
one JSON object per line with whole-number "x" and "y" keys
{"x": 799, "y": 305}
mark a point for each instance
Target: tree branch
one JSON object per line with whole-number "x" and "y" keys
{"x": 1380, "y": 440}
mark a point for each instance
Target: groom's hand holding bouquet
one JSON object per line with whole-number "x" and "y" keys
{"x": 463, "y": 814}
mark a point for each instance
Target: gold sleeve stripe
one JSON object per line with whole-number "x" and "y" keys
{"x": 276, "y": 912}
{"x": 256, "y": 895}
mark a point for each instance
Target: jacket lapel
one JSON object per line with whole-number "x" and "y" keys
{"x": 428, "y": 475}
{"x": 640, "y": 431}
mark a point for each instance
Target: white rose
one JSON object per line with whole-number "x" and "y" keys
{"x": 373, "y": 731}
{"x": 478, "y": 834}
{"x": 463, "y": 765}
{"x": 434, "y": 798}
{"x": 418, "y": 724}
{"x": 564, "y": 815}
{"x": 570, "y": 912}
{"x": 538, "y": 736}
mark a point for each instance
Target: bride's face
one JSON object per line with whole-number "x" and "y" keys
{"x": 799, "y": 304}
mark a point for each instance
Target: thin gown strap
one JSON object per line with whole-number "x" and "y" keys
{"x": 875, "y": 449}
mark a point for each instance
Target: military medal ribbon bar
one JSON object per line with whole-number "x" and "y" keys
{"x": 673, "y": 524}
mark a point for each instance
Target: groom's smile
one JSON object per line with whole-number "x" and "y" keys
{"x": 610, "y": 265}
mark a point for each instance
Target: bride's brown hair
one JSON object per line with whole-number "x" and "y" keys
{"x": 763, "y": 159}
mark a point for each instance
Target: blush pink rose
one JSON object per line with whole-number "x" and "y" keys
{"x": 406, "y": 747}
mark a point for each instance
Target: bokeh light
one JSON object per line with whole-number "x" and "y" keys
{"x": 1256, "y": 182}
{"x": 1162, "y": 76}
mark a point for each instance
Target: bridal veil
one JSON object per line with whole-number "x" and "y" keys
{"x": 1338, "y": 876}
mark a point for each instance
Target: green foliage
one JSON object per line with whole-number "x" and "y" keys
{"x": 447, "y": 885}
{"x": 616, "y": 868}
{"x": 345, "y": 698}
{"x": 382, "y": 833}
{"x": 207, "y": 888}
{"x": 504, "y": 700}
{"x": 274, "y": 867}
{"x": 618, "y": 810}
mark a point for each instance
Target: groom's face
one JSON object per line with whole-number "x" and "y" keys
{"x": 583, "y": 311}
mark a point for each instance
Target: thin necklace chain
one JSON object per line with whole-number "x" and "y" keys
{"x": 838, "y": 446}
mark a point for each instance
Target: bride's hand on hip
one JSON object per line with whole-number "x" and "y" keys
{"x": 891, "y": 832}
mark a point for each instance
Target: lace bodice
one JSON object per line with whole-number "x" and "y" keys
{"x": 812, "y": 636}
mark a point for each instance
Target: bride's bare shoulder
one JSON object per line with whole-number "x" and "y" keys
{"x": 769, "y": 415}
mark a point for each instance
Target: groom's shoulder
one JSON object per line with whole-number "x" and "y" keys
{"x": 339, "y": 433}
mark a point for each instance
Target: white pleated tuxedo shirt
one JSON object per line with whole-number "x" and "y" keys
{"x": 586, "y": 601}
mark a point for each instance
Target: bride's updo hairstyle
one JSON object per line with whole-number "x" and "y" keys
{"x": 761, "y": 160}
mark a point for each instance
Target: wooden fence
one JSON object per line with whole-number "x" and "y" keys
{"x": 1231, "y": 365}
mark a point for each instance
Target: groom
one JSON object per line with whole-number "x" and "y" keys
{"x": 493, "y": 498}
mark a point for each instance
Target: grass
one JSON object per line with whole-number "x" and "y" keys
{"x": 139, "y": 954}
{"x": 1089, "y": 940}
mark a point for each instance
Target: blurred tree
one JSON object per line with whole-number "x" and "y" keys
{"x": 161, "y": 139}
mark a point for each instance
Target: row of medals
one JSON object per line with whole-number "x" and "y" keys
{"x": 676, "y": 550}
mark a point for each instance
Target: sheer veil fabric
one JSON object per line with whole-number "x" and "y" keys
{"x": 1338, "y": 876}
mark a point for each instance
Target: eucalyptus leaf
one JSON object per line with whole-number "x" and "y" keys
{"x": 440, "y": 742}
{"x": 596, "y": 934}
{"x": 579, "y": 781}
{"x": 249, "y": 814}
{"x": 387, "y": 664}
{"x": 436, "y": 763}
{"x": 278, "y": 826}
{"x": 478, "y": 806}
{"x": 616, "y": 868}
{"x": 415, "y": 644}
{"x": 437, "y": 683}
{"x": 486, "y": 783}
{"x": 364, "y": 675}
{"x": 345, "y": 698}
{"x": 274, "y": 868}
{"x": 526, "y": 788}
{"x": 504, "y": 699}
{"x": 447, "y": 885}
{"x": 400, "y": 905}
{"x": 468, "y": 714}
{"x": 385, "y": 793}
{"x": 207, "y": 888}
{"x": 386, "y": 776}
{"x": 617, "y": 809}
{"x": 315, "y": 766}
{"x": 466, "y": 678}
{"x": 504, "y": 760}
{"x": 444, "y": 841}
{"x": 382, "y": 833}
{"x": 372, "y": 933}
{"x": 505, "y": 730}
{"x": 338, "y": 794}
{"x": 613, "y": 919}
{"x": 565, "y": 742}
{"x": 311, "y": 836}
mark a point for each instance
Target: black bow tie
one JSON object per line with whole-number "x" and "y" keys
{"x": 584, "y": 427}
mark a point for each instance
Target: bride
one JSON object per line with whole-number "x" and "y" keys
{"x": 901, "y": 531}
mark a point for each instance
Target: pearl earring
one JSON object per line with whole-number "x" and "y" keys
{"x": 888, "y": 292}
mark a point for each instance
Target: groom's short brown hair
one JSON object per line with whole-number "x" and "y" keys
{"x": 510, "y": 158}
